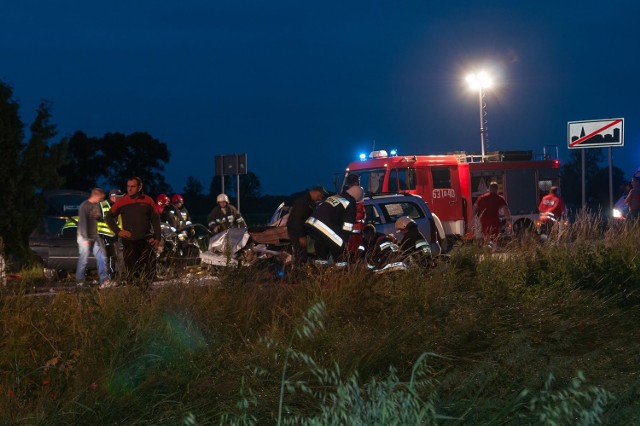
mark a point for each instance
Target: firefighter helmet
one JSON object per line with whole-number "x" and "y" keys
{"x": 356, "y": 192}
{"x": 162, "y": 199}
{"x": 176, "y": 198}
{"x": 403, "y": 222}
{"x": 222, "y": 198}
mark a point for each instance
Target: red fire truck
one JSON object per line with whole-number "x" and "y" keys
{"x": 451, "y": 183}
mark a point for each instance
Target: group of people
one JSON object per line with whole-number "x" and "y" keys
{"x": 134, "y": 230}
{"x": 490, "y": 206}
{"x": 336, "y": 224}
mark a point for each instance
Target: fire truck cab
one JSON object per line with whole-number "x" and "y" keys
{"x": 451, "y": 183}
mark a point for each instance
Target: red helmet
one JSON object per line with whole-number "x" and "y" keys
{"x": 162, "y": 199}
{"x": 176, "y": 198}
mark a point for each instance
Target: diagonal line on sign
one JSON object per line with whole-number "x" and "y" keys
{"x": 584, "y": 138}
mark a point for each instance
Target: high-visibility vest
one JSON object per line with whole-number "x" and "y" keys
{"x": 103, "y": 228}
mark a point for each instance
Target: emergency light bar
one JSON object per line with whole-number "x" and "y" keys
{"x": 379, "y": 154}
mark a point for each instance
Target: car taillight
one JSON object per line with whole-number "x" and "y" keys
{"x": 434, "y": 231}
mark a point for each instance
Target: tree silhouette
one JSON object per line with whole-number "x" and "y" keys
{"x": 85, "y": 164}
{"x": 114, "y": 158}
{"x": 138, "y": 154}
{"x": 193, "y": 187}
{"x": 25, "y": 170}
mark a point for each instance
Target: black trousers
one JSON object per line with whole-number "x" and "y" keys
{"x": 326, "y": 247}
{"x": 139, "y": 262}
{"x": 300, "y": 256}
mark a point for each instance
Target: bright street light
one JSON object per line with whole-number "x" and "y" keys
{"x": 479, "y": 81}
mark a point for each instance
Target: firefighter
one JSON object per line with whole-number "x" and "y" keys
{"x": 179, "y": 213}
{"x": 552, "y": 209}
{"x": 552, "y": 203}
{"x": 356, "y": 236}
{"x": 413, "y": 246}
{"x": 301, "y": 210}
{"x": 332, "y": 222}
{"x": 377, "y": 249}
{"x": 224, "y": 216}
{"x": 488, "y": 208}
{"x": 162, "y": 201}
{"x": 178, "y": 203}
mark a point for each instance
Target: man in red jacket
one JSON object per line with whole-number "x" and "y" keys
{"x": 552, "y": 203}
{"x": 140, "y": 231}
{"x": 488, "y": 208}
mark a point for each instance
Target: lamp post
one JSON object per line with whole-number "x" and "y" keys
{"x": 480, "y": 81}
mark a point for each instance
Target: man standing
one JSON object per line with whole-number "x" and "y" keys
{"x": 488, "y": 208}
{"x": 332, "y": 222}
{"x": 140, "y": 231}
{"x": 89, "y": 213}
{"x": 633, "y": 199}
{"x": 113, "y": 242}
{"x": 355, "y": 239}
{"x": 301, "y": 211}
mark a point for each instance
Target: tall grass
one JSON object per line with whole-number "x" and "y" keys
{"x": 343, "y": 347}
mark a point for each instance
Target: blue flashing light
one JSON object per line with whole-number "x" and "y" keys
{"x": 363, "y": 157}
{"x": 393, "y": 152}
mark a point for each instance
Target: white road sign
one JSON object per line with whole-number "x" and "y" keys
{"x": 595, "y": 133}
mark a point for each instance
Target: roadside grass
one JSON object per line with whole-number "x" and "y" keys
{"x": 545, "y": 334}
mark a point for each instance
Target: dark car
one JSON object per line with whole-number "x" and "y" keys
{"x": 54, "y": 239}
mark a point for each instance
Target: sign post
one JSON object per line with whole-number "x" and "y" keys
{"x": 231, "y": 164}
{"x": 605, "y": 133}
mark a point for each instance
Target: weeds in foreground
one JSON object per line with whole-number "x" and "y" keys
{"x": 390, "y": 401}
{"x": 500, "y": 324}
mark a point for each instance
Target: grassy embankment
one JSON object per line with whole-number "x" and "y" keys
{"x": 547, "y": 333}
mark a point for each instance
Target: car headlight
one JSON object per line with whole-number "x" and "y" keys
{"x": 617, "y": 214}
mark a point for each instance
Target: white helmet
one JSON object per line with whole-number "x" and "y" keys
{"x": 222, "y": 197}
{"x": 403, "y": 222}
{"x": 356, "y": 192}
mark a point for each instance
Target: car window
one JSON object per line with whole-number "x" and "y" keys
{"x": 394, "y": 211}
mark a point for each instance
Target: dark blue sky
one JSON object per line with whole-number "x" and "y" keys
{"x": 303, "y": 87}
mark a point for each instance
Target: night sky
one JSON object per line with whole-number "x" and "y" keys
{"x": 304, "y": 87}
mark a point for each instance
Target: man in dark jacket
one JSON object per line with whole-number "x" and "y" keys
{"x": 140, "y": 231}
{"x": 332, "y": 223}
{"x": 301, "y": 211}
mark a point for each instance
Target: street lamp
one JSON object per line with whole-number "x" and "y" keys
{"x": 480, "y": 81}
